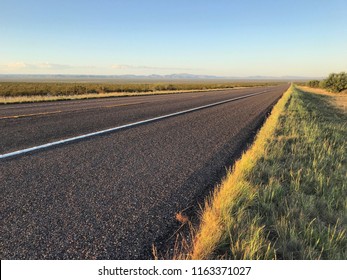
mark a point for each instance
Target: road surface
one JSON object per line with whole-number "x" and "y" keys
{"x": 114, "y": 195}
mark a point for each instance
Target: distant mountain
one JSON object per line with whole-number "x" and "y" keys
{"x": 181, "y": 76}
{"x": 191, "y": 76}
{"x": 153, "y": 76}
{"x": 281, "y": 78}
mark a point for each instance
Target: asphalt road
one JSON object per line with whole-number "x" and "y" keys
{"x": 113, "y": 196}
{"x": 27, "y": 125}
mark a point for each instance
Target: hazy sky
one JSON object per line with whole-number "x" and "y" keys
{"x": 219, "y": 37}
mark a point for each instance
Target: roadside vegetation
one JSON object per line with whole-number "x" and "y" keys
{"x": 334, "y": 83}
{"x": 44, "y": 98}
{"x": 16, "y": 92}
{"x": 286, "y": 197}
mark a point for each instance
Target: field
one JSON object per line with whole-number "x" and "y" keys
{"x": 337, "y": 99}
{"x": 286, "y": 197}
{"x": 17, "y": 92}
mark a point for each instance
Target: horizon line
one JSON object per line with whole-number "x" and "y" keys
{"x": 180, "y": 75}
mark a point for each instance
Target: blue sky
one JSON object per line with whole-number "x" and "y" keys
{"x": 220, "y": 37}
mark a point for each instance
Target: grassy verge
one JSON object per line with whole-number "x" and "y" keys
{"x": 286, "y": 196}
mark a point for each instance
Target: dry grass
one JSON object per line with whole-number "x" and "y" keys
{"x": 40, "y": 98}
{"x": 183, "y": 240}
{"x": 337, "y": 99}
{"x": 318, "y": 91}
{"x": 286, "y": 197}
{"x": 341, "y": 102}
{"x": 183, "y": 219}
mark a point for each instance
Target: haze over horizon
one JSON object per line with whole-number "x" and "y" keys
{"x": 222, "y": 38}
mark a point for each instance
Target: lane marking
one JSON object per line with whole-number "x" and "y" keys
{"x": 66, "y": 111}
{"x": 29, "y": 115}
{"x": 100, "y": 132}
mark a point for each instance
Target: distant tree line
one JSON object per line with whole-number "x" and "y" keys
{"x": 336, "y": 82}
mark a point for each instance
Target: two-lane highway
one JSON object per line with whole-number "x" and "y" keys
{"x": 27, "y": 125}
{"x": 114, "y": 195}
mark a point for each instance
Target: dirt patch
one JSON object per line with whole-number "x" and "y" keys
{"x": 338, "y": 99}
{"x": 341, "y": 102}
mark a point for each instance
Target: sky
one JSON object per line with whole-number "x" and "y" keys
{"x": 220, "y": 37}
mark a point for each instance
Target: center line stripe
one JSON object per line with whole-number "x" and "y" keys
{"x": 100, "y": 132}
{"x": 67, "y": 111}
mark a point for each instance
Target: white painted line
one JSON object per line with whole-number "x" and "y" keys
{"x": 84, "y": 136}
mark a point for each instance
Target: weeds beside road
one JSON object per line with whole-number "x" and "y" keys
{"x": 286, "y": 196}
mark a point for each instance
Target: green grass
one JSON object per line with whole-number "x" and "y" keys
{"x": 286, "y": 196}
{"x": 17, "y": 92}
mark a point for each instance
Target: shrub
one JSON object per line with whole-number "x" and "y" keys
{"x": 313, "y": 83}
{"x": 336, "y": 82}
{"x": 322, "y": 84}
